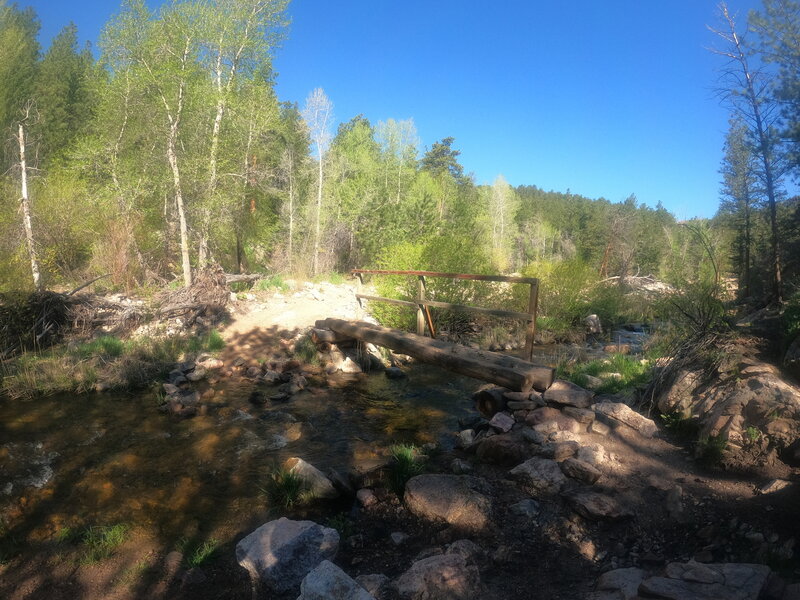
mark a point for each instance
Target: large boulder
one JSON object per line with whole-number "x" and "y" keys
{"x": 449, "y": 498}
{"x": 441, "y": 577}
{"x": 695, "y": 581}
{"x": 318, "y": 485}
{"x": 580, "y": 470}
{"x": 617, "y": 412}
{"x": 281, "y": 553}
{"x": 539, "y": 476}
{"x": 328, "y": 582}
{"x": 506, "y": 450}
{"x": 567, "y": 393}
{"x": 792, "y": 357}
{"x": 596, "y": 505}
{"x": 749, "y": 402}
{"x": 677, "y": 398}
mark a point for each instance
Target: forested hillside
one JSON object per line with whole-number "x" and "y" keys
{"x": 170, "y": 149}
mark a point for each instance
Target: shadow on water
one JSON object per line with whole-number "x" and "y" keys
{"x": 68, "y": 463}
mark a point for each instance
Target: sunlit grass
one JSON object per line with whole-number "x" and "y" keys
{"x": 619, "y": 372}
{"x": 100, "y": 542}
{"x": 405, "y": 465}
{"x": 118, "y": 364}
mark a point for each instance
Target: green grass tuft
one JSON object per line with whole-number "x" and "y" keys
{"x": 273, "y": 282}
{"x": 101, "y": 542}
{"x": 285, "y": 488}
{"x": 202, "y": 553}
{"x": 619, "y": 372}
{"x": 306, "y": 351}
{"x": 106, "y": 346}
{"x": 405, "y": 465}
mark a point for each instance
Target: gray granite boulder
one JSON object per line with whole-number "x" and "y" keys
{"x": 539, "y": 476}
{"x": 449, "y": 498}
{"x": 281, "y": 553}
{"x": 328, "y": 582}
{"x": 442, "y": 577}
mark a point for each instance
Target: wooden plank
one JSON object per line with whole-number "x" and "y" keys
{"x": 421, "y": 306}
{"x": 389, "y": 300}
{"x": 507, "y": 371}
{"x": 501, "y": 278}
{"x": 509, "y": 314}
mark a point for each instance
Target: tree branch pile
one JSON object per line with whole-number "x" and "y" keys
{"x": 32, "y": 321}
{"x": 206, "y": 298}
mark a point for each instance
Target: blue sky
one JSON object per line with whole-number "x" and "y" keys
{"x": 602, "y": 98}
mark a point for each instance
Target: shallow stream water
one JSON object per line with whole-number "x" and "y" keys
{"x": 99, "y": 459}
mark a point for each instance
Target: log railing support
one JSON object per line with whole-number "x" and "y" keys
{"x": 422, "y": 304}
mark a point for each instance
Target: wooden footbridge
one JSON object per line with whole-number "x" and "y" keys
{"x": 507, "y": 371}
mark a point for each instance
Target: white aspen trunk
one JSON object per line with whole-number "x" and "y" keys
{"x": 26, "y": 212}
{"x": 315, "y": 262}
{"x": 172, "y": 156}
{"x": 291, "y": 208}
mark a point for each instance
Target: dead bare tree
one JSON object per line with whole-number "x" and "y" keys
{"x": 747, "y": 90}
{"x": 25, "y": 203}
{"x": 318, "y": 115}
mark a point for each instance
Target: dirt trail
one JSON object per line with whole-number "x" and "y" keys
{"x": 292, "y": 310}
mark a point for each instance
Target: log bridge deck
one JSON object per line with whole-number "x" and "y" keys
{"x": 506, "y": 371}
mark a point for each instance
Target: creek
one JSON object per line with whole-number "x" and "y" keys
{"x": 99, "y": 459}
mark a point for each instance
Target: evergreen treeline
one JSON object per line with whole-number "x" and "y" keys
{"x": 171, "y": 150}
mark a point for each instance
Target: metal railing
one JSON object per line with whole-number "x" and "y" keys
{"x": 422, "y": 304}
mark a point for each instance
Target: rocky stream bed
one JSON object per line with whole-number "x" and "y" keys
{"x": 557, "y": 495}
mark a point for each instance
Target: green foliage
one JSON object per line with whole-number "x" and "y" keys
{"x": 343, "y": 524}
{"x": 753, "y": 434}
{"x": 201, "y": 554}
{"x": 443, "y": 254}
{"x": 405, "y": 464}
{"x": 711, "y": 449}
{"x": 681, "y": 425}
{"x": 791, "y": 317}
{"x": 120, "y": 365}
{"x": 619, "y": 372}
{"x": 100, "y": 542}
{"x": 285, "y": 489}
{"x": 272, "y": 282}
{"x": 306, "y": 350}
{"x": 209, "y": 342}
{"x": 106, "y": 346}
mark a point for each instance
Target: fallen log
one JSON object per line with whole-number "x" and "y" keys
{"x": 320, "y": 336}
{"x": 506, "y": 371}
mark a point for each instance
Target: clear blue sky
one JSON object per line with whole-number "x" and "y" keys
{"x": 602, "y": 98}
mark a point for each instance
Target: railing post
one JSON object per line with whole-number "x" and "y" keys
{"x": 420, "y": 307}
{"x": 533, "y": 307}
{"x": 359, "y": 291}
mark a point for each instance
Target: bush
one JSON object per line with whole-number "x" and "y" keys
{"x": 790, "y": 318}
{"x": 441, "y": 254}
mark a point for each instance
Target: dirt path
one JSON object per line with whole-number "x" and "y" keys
{"x": 260, "y": 321}
{"x": 293, "y": 310}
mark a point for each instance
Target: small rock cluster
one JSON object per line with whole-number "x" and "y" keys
{"x": 695, "y": 581}
{"x": 542, "y": 437}
{"x": 284, "y": 555}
